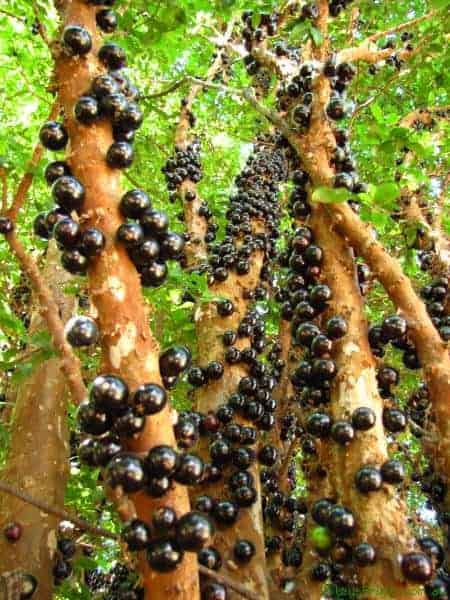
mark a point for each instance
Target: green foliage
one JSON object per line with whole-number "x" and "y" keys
{"x": 165, "y": 41}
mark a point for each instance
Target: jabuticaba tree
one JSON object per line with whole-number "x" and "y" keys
{"x": 265, "y": 441}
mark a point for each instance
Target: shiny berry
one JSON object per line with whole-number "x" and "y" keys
{"x": 77, "y": 40}
{"x": 112, "y": 56}
{"x": 136, "y": 535}
{"x": 53, "y": 136}
{"x": 244, "y": 551}
{"x": 68, "y": 192}
{"x": 86, "y": 110}
{"x": 120, "y": 155}
{"x": 127, "y": 471}
{"x": 106, "y": 19}
{"x": 363, "y": 418}
{"x": 164, "y": 555}
{"x": 416, "y": 567}
{"x": 193, "y": 531}
{"x": 56, "y": 169}
{"x": 81, "y": 332}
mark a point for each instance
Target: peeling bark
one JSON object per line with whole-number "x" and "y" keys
{"x": 129, "y": 347}
{"x": 210, "y": 327}
{"x": 39, "y": 451}
{"x": 381, "y": 516}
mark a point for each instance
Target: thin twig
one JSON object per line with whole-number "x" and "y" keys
{"x": 42, "y": 29}
{"x": 3, "y": 11}
{"x": 27, "y": 179}
{"x": 57, "y": 512}
{"x": 70, "y": 363}
{"x": 4, "y": 178}
{"x": 407, "y": 25}
{"x": 168, "y": 90}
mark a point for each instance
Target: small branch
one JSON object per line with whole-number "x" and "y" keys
{"x": 353, "y": 24}
{"x": 70, "y": 363}
{"x": 27, "y": 179}
{"x": 168, "y": 90}
{"x": 231, "y": 583}
{"x": 57, "y": 512}
{"x": 401, "y": 27}
{"x": 3, "y": 11}
{"x": 42, "y": 29}
{"x": 4, "y": 180}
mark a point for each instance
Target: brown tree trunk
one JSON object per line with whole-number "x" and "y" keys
{"x": 381, "y": 516}
{"x": 39, "y": 451}
{"x": 129, "y": 347}
{"x": 210, "y": 326}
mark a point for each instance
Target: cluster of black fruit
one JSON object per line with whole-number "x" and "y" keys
{"x": 66, "y": 550}
{"x": 296, "y": 96}
{"x": 337, "y": 6}
{"x": 184, "y": 165}
{"x": 394, "y": 331}
{"x": 147, "y": 238}
{"x": 437, "y": 300}
{"x": 119, "y": 583}
{"x": 78, "y": 245}
{"x": 254, "y": 34}
{"x": 255, "y": 200}
{"x": 394, "y": 59}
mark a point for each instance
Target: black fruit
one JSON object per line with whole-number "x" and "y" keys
{"x": 136, "y": 535}
{"x": 164, "y": 555}
{"x": 154, "y": 274}
{"x": 174, "y": 361}
{"x": 92, "y": 242}
{"x": 109, "y": 394}
{"x": 56, "y": 169}
{"x": 92, "y": 420}
{"x": 131, "y": 235}
{"x": 336, "y": 327}
{"x": 120, "y": 155}
{"x": 394, "y": 420}
{"x": 368, "y": 479}
{"x": 76, "y": 40}
{"x": 193, "y": 531}
{"x": 342, "y": 432}
{"x": 244, "y": 551}
{"x": 364, "y": 555}
{"x": 155, "y": 222}
{"x": 134, "y": 203}
{"x": 53, "y": 136}
{"x": 341, "y": 521}
{"x": 210, "y": 558}
{"x": 81, "y": 331}
{"x": 68, "y": 192}
{"x": 6, "y": 225}
{"x": 164, "y": 519}
{"x": 86, "y": 110}
{"x": 363, "y": 418}
{"x": 127, "y": 471}
{"x": 74, "y": 262}
{"x": 150, "y": 398}
{"x": 106, "y": 19}
{"x": 112, "y": 56}
{"x": 13, "y": 531}
{"x": 67, "y": 233}
{"x": 161, "y": 461}
{"x": 393, "y": 471}
{"x": 214, "y": 591}
{"x": 417, "y": 567}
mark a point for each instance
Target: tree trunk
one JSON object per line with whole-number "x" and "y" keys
{"x": 381, "y": 516}
{"x": 39, "y": 451}
{"x": 129, "y": 347}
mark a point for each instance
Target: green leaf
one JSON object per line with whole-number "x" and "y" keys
{"x": 386, "y": 195}
{"x": 316, "y": 36}
{"x": 440, "y": 3}
{"x": 326, "y": 195}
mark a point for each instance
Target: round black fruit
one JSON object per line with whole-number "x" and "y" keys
{"x": 112, "y": 56}
{"x": 67, "y": 233}
{"x": 150, "y": 398}
{"x": 161, "y": 461}
{"x": 86, "y": 110}
{"x": 134, "y": 203}
{"x": 164, "y": 555}
{"x": 53, "y": 136}
{"x": 81, "y": 332}
{"x": 106, "y": 20}
{"x": 76, "y": 40}
{"x": 210, "y": 558}
{"x": 417, "y": 567}
{"x": 92, "y": 242}
{"x": 6, "y": 226}
{"x": 56, "y": 169}
{"x": 193, "y": 531}
{"x": 109, "y": 394}
{"x": 244, "y": 551}
{"x": 68, "y": 192}
{"x": 363, "y": 418}
{"x": 136, "y": 535}
{"x": 364, "y": 555}
{"x": 368, "y": 479}
{"x": 126, "y": 470}
{"x": 174, "y": 361}
{"x": 120, "y": 155}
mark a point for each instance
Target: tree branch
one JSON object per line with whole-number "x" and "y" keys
{"x": 407, "y": 25}
{"x": 27, "y": 179}
{"x": 4, "y": 179}
{"x": 70, "y": 363}
{"x": 57, "y": 512}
